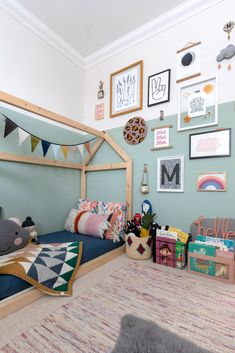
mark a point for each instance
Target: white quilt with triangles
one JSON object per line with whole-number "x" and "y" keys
{"x": 49, "y": 267}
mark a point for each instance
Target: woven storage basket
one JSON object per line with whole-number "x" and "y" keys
{"x": 138, "y": 248}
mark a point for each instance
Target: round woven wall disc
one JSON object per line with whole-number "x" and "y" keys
{"x": 135, "y": 131}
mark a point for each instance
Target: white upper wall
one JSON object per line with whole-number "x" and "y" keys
{"x": 158, "y": 54}
{"x": 33, "y": 70}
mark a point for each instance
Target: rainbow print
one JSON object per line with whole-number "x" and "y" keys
{"x": 211, "y": 182}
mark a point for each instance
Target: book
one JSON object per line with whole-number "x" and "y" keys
{"x": 166, "y": 234}
{"x": 203, "y": 266}
{"x": 201, "y": 248}
{"x": 220, "y": 243}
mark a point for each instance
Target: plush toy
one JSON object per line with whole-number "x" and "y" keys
{"x": 12, "y": 237}
{"x": 132, "y": 228}
{"x": 30, "y": 226}
{"x": 137, "y": 219}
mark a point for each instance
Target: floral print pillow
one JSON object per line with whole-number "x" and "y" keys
{"x": 105, "y": 208}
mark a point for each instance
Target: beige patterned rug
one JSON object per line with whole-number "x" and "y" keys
{"x": 203, "y": 311}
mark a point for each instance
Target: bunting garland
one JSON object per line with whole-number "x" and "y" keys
{"x": 10, "y": 126}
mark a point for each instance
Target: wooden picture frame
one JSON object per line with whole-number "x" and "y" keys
{"x": 198, "y": 104}
{"x": 159, "y": 88}
{"x": 210, "y": 144}
{"x": 126, "y": 89}
{"x": 212, "y": 182}
{"x": 170, "y": 174}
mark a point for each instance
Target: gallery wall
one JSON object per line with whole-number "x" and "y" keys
{"x": 159, "y": 53}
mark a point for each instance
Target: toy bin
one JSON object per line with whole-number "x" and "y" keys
{"x": 138, "y": 248}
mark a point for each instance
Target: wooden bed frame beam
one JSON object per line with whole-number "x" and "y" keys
{"x": 109, "y": 166}
{"x": 20, "y": 103}
{"x": 38, "y": 161}
{"x": 94, "y": 149}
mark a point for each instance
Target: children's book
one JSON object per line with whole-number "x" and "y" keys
{"x": 220, "y": 243}
{"x": 202, "y": 249}
{"x": 166, "y": 234}
{"x": 202, "y": 266}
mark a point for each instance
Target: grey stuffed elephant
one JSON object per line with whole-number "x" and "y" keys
{"x": 12, "y": 237}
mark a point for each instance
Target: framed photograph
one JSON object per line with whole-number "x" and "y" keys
{"x": 211, "y": 182}
{"x": 188, "y": 62}
{"x": 159, "y": 88}
{"x": 198, "y": 105}
{"x": 170, "y": 174}
{"x": 126, "y": 89}
{"x": 215, "y": 143}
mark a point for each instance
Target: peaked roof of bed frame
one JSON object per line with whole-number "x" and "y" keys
{"x": 84, "y": 167}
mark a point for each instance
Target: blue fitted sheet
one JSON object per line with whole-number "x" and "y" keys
{"x": 92, "y": 248}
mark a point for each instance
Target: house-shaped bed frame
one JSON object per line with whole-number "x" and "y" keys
{"x": 19, "y": 300}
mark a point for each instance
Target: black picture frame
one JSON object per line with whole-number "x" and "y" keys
{"x": 158, "y": 84}
{"x": 210, "y": 144}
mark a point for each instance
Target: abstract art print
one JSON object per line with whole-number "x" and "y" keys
{"x": 159, "y": 88}
{"x": 215, "y": 143}
{"x": 211, "y": 182}
{"x": 188, "y": 62}
{"x": 170, "y": 174}
{"x": 126, "y": 89}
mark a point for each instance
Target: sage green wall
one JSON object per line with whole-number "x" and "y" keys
{"x": 176, "y": 209}
{"x": 47, "y": 194}
{"x": 44, "y": 193}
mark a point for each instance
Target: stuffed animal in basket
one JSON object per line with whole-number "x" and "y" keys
{"x": 30, "y": 226}
{"x": 12, "y": 237}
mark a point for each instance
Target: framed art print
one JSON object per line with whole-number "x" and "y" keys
{"x": 211, "y": 182}
{"x": 198, "y": 105}
{"x": 159, "y": 88}
{"x": 126, "y": 89}
{"x": 215, "y": 143}
{"x": 170, "y": 174}
{"x": 188, "y": 62}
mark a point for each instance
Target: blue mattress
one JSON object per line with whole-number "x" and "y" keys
{"x": 92, "y": 248}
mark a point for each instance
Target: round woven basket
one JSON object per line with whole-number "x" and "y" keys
{"x": 138, "y": 248}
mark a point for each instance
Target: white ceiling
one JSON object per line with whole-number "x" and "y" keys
{"x": 89, "y": 25}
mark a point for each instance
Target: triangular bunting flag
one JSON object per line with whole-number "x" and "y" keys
{"x": 45, "y": 147}
{"x": 9, "y": 127}
{"x": 34, "y": 142}
{"x": 65, "y": 150}
{"x": 22, "y": 136}
{"x": 55, "y": 149}
{"x": 81, "y": 149}
{"x": 88, "y": 148}
{"x": 74, "y": 150}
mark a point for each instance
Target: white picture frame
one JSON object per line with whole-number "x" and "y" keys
{"x": 170, "y": 174}
{"x": 200, "y": 100}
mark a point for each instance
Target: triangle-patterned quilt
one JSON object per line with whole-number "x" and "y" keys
{"x": 49, "y": 267}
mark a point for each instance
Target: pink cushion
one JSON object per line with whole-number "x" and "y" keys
{"x": 106, "y": 208}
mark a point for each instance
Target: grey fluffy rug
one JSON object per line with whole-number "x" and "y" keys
{"x": 143, "y": 336}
